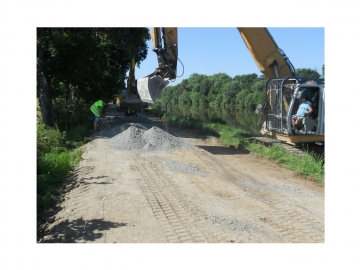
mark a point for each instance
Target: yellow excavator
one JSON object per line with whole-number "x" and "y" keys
{"x": 283, "y": 88}
{"x": 129, "y": 100}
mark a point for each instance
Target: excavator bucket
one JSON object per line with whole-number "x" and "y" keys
{"x": 150, "y": 88}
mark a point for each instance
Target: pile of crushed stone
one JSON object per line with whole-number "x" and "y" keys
{"x": 140, "y": 139}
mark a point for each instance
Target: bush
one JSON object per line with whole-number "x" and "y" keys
{"x": 55, "y": 163}
{"x": 55, "y": 160}
{"x": 71, "y": 114}
{"x": 48, "y": 138}
{"x": 78, "y": 135}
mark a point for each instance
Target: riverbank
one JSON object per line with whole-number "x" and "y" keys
{"x": 309, "y": 165}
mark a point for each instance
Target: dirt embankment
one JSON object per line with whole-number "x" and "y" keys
{"x": 143, "y": 180}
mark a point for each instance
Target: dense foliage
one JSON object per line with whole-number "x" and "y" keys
{"x": 84, "y": 64}
{"x": 221, "y": 90}
{"x": 217, "y": 90}
{"x": 307, "y": 73}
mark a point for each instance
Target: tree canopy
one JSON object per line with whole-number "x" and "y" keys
{"x": 85, "y": 63}
{"x": 307, "y": 73}
{"x": 221, "y": 90}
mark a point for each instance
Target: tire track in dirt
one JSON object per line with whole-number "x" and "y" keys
{"x": 174, "y": 220}
{"x": 294, "y": 224}
{"x": 286, "y": 219}
{"x": 186, "y": 207}
{"x": 201, "y": 218}
{"x": 193, "y": 206}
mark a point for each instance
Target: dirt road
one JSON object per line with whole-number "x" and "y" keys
{"x": 205, "y": 194}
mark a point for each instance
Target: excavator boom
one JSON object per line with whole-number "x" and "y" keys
{"x": 269, "y": 58}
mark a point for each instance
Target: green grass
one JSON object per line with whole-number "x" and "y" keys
{"x": 308, "y": 166}
{"x": 57, "y": 156}
{"x": 52, "y": 170}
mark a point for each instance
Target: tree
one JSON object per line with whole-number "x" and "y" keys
{"x": 86, "y": 63}
{"x": 219, "y": 99}
{"x": 241, "y": 97}
{"x": 218, "y": 82}
{"x": 196, "y": 98}
{"x": 246, "y": 78}
{"x": 43, "y": 90}
{"x": 195, "y": 81}
{"x": 307, "y": 73}
{"x": 229, "y": 92}
{"x": 176, "y": 92}
{"x": 258, "y": 90}
{"x": 205, "y": 87}
{"x": 185, "y": 98}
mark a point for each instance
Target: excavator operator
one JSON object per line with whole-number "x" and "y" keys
{"x": 305, "y": 109}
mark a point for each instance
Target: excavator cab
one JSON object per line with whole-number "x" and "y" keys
{"x": 283, "y": 100}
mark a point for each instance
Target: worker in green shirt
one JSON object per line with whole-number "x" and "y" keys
{"x": 97, "y": 111}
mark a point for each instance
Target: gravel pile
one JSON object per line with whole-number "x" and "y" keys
{"x": 138, "y": 138}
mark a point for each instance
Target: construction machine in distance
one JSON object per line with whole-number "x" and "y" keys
{"x": 129, "y": 100}
{"x": 283, "y": 88}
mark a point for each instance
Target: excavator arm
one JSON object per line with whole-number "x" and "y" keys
{"x": 131, "y": 79}
{"x": 164, "y": 44}
{"x": 166, "y": 53}
{"x": 131, "y": 101}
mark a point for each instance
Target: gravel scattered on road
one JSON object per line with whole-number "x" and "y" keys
{"x": 177, "y": 165}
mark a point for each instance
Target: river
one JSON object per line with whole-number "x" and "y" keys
{"x": 244, "y": 118}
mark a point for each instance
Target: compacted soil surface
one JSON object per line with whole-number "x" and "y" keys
{"x": 144, "y": 180}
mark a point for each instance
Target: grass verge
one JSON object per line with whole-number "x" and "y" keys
{"x": 57, "y": 156}
{"x": 308, "y": 165}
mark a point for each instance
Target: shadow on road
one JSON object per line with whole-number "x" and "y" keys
{"x": 220, "y": 150}
{"x": 79, "y": 230}
{"x": 94, "y": 180}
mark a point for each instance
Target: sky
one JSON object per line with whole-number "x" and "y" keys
{"x": 211, "y": 50}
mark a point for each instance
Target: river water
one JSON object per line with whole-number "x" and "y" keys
{"x": 244, "y": 118}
